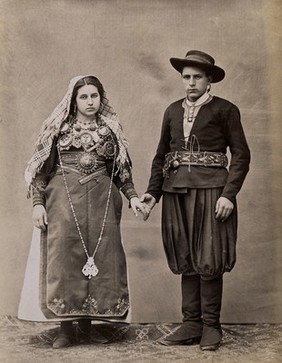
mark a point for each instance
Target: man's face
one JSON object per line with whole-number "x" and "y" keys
{"x": 195, "y": 82}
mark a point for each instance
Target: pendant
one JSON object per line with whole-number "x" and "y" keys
{"x": 65, "y": 127}
{"x": 87, "y": 162}
{"x": 90, "y": 269}
{"x": 86, "y": 138}
{"x": 109, "y": 149}
{"x": 65, "y": 140}
{"x": 103, "y": 131}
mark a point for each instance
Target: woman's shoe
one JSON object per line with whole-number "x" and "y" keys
{"x": 84, "y": 331}
{"x": 62, "y": 340}
{"x": 85, "y": 335}
{"x": 65, "y": 337}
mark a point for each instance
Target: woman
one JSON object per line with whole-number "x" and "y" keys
{"x": 79, "y": 165}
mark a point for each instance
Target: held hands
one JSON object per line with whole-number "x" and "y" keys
{"x": 149, "y": 202}
{"x": 137, "y": 206}
{"x": 223, "y": 209}
{"x": 39, "y": 217}
{"x": 144, "y": 205}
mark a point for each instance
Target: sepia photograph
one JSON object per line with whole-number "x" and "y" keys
{"x": 141, "y": 182}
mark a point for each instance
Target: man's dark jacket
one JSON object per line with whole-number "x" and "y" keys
{"x": 217, "y": 126}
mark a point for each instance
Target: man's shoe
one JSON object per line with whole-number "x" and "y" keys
{"x": 189, "y": 333}
{"x": 62, "y": 341}
{"x": 180, "y": 342}
{"x": 211, "y": 338}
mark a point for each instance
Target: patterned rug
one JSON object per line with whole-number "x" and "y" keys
{"x": 137, "y": 343}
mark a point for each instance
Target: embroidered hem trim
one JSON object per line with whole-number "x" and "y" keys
{"x": 89, "y": 307}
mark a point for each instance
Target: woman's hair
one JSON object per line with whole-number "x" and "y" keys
{"x": 83, "y": 82}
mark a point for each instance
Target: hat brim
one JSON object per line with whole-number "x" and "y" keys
{"x": 217, "y": 74}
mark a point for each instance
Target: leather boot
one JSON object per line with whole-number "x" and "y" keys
{"x": 190, "y": 331}
{"x": 85, "y": 334}
{"x": 65, "y": 337}
{"x": 211, "y": 297}
{"x": 84, "y": 330}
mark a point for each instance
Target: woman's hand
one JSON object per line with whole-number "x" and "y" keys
{"x": 39, "y": 217}
{"x": 149, "y": 202}
{"x": 137, "y": 206}
{"x": 223, "y": 209}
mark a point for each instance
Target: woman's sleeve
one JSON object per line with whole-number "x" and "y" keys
{"x": 41, "y": 179}
{"x": 38, "y": 186}
{"x": 128, "y": 190}
{"x": 124, "y": 181}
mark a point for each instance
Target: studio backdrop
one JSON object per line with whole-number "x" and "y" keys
{"x": 127, "y": 45}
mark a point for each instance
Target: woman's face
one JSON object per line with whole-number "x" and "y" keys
{"x": 87, "y": 101}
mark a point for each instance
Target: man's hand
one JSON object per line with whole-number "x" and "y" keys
{"x": 39, "y": 217}
{"x": 223, "y": 209}
{"x": 137, "y": 206}
{"x": 149, "y": 202}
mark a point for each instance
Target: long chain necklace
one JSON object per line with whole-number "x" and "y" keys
{"x": 90, "y": 269}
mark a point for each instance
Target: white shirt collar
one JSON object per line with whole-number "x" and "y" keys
{"x": 199, "y": 101}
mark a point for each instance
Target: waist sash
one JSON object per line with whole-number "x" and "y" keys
{"x": 202, "y": 158}
{"x": 82, "y": 161}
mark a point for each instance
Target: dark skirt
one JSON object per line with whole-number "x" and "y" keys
{"x": 194, "y": 241}
{"x": 65, "y": 291}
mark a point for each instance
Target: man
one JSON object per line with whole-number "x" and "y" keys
{"x": 199, "y": 213}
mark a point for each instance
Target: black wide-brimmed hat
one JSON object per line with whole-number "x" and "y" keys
{"x": 196, "y": 58}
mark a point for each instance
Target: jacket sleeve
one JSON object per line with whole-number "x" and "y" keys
{"x": 240, "y": 154}
{"x": 157, "y": 178}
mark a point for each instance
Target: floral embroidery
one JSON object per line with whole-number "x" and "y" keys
{"x": 124, "y": 174}
{"x": 122, "y": 305}
{"x": 39, "y": 184}
{"x": 58, "y": 305}
{"x": 88, "y": 307}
